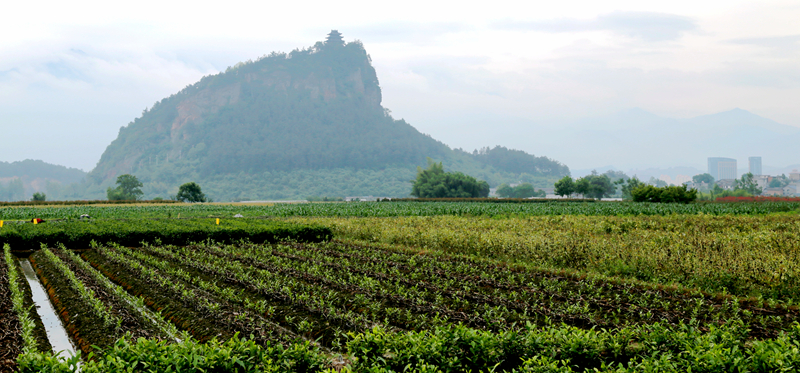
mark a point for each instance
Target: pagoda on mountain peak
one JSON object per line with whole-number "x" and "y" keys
{"x": 334, "y": 38}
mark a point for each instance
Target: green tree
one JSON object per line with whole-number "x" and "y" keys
{"x": 129, "y": 188}
{"x": 616, "y": 176}
{"x": 595, "y": 186}
{"x": 656, "y": 182}
{"x": 565, "y": 187}
{"x": 779, "y": 181}
{"x": 190, "y": 192}
{"x": 627, "y": 186}
{"x": 524, "y": 190}
{"x": 667, "y": 194}
{"x": 433, "y": 182}
{"x": 703, "y": 178}
{"x": 748, "y": 184}
{"x": 505, "y": 191}
{"x": 39, "y": 196}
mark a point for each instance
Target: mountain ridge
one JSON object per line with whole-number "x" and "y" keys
{"x": 316, "y": 109}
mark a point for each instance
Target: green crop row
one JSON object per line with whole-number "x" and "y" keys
{"x": 81, "y": 203}
{"x": 80, "y": 234}
{"x": 136, "y": 303}
{"x": 86, "y": 294}
{"x": 492, "y": 200}
{"x": 387, "y": 209}
{"x": 742, "y": 255}
{"x": 17, "y": 299}
{"x": 147, "y": 355}
{"x": 651, "y": 348}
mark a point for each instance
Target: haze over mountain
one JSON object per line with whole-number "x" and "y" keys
{"x": 638, "y": 140}
{"x": 19, "y": 180}
{"x": 293, "y": 125}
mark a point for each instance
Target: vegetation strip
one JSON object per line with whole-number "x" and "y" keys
{"x": 88, "y": 296}
{"x": 14, "y": 277}
{"x": 393, "y": 209}
{"x": 137, "y": 303}
{"x": 199, "y": 300}
{"x": 739, "y": 255}
{"x": 16, "y": 334}
{"x": 80, "y": 234}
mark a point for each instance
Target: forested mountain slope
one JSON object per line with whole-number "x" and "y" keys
{"x": 293, "y": 125}
{"x": 19, "y": 180}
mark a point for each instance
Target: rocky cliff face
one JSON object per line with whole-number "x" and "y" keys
{"x": 304, "y": 97}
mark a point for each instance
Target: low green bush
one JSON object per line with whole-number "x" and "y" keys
{"x": 147, "y": 355}
{"x": 560, "y": 348}
{"x": 649, "y": 193}
{"x": 80, "y": 234}
{"x": 456, "y": 348}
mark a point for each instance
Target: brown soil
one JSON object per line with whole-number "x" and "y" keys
{"x": 486, "y": 290}
{"x": 84, "y": 328}
{"x": 132, "y": 322}
{"x": 185, "y": 314}
{"x": 10, "y": 329}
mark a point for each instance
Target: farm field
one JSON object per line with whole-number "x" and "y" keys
{"x": 390, "y": 209}
{"x": 437, "y": 293}
{"x": 756, "y": 256}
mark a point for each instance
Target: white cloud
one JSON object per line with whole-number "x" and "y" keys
{"x": 647, "y": 26}
{"x": 73, "y": 73}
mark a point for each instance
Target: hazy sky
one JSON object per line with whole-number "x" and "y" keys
{"x": 72, "y": 73}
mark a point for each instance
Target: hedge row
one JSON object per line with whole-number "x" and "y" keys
{"x": 458, "y": 349}
{"x": 490, "y": 200}
{"x": 79, "y": 234}
{"x": 70, "y": 203}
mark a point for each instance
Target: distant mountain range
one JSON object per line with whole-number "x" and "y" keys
{"x": 291, "y": 126}
{"x": 638, "y": 141}
{"x": 36, "y": 176}
{"x": 311, "y": 123}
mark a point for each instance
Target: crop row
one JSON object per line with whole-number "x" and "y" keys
{"x": 740, "y": 255}
{"x": 388, "y": 209}
{"x": 403, "y": 309}
{"x": 515, "y": 319}
{"x": 131, "y": 232}
{"x": 323, "y": 291}
{"x": 16, "y": 327}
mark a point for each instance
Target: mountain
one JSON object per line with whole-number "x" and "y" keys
{"x": 636, "y": 139}
{"x": 293, "y": 125}
{"x": 19, "y": 180}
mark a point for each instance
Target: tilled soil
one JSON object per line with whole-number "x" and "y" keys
{"x": 185, "y": 315}
{"x": 762, "y": 321}
{"x": 39, "y": 332}
{"x": 10, "y": 329}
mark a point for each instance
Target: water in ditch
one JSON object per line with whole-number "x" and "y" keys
{"x": 52, "y": 323}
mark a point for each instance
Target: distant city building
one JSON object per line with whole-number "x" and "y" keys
{"x": 726, "y": 184}
{"x": 762, "y": 180}
{"x": 755, "y": 166}
{"x": 794, "y": 175}
{"x": 772, "y": 192}
{"x": 364, "y": 199}
{"x": 722, "y": 168}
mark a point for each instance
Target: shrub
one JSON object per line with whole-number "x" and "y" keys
{"x": 668, "y": 194}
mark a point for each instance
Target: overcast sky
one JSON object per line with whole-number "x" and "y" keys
{"x": 72, "y": 73}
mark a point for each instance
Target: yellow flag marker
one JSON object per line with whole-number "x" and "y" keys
{"x": 35, "y": 221}
{"x": 1, "y": 223}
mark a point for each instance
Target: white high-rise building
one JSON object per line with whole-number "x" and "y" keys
{"x": 722, "y": 168}
{"x": 755, "y": 166}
